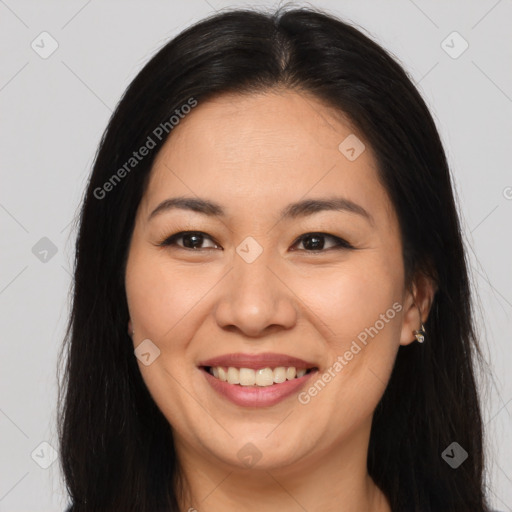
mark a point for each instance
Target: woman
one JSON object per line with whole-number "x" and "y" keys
{"x": 271, "y": 306}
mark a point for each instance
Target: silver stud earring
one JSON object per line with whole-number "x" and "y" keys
{"x": 420, "y": 333}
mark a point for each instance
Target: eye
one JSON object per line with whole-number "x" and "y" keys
{"x": 191, "y": 240}
{"x": 315, "y": 242}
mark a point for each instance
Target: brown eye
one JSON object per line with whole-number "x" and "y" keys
{"x": 316, "y": 242}
{"x": 191, "y": 240}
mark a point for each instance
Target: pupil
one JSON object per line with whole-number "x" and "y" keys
{"x": 189, "y": 237}
{"x": 318, "y": 244}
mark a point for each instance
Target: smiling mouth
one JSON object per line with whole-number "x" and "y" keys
{"x": 261, "y": 377}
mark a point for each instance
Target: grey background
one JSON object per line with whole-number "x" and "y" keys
{"x": 54, "y": 110}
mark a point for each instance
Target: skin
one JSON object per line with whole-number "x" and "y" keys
{"x": 255, "y": 154}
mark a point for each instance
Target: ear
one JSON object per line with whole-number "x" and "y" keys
{"x": 419, "y": 296}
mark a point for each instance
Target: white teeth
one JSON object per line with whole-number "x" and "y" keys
{"x": 279, "y": 374}
{"x": 233, "y": 375}
{"x": 247, "y": 376}
{"x": 291, "y": 372}
{"x": 261, "y": 377}
{"x": 264, "y": 377}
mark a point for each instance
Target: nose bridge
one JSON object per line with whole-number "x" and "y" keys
{"x": 255, "y": 298}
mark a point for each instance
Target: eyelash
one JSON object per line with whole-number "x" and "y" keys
{"x": 341, "y": 244}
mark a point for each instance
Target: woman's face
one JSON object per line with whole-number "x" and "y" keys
{"x": 267, "y": 281}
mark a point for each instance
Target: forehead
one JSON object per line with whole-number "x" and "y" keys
{"x": 265, "y": 149}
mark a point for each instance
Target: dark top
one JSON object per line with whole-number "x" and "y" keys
{"x": 70, "y": 509}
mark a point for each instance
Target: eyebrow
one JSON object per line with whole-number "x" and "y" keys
{"x": 292, "y": 211}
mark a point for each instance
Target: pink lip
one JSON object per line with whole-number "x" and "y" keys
{"x": 256, "y": 361}
{"x": 256, "y": 396}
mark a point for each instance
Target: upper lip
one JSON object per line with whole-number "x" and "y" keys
{"x": 256, "y": 361}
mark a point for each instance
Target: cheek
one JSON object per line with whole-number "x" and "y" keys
{"x": 159, "y": 297}
{"x": 354, "y": 297}
{"x": 169, "y": 300}
{"x": 161, "y": 300}
{"x": 358, "y": 310}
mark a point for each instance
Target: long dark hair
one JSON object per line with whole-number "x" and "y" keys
{"x": 116, "y": 447}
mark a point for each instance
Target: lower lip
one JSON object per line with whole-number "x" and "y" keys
{"x": 257, "y": 396}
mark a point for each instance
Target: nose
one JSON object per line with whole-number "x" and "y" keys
{"x": 255, "y": 300}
